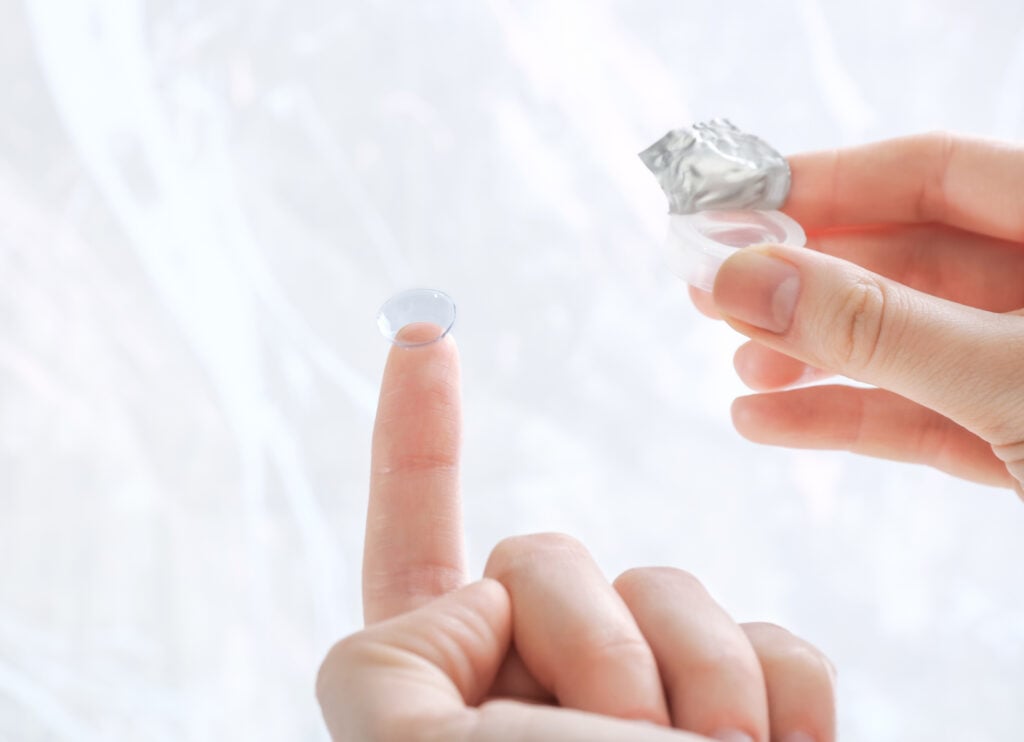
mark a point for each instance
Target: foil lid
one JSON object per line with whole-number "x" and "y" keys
{"x": 713, "y": 165}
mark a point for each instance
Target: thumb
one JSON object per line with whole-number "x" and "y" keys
{"x": 962, "y": 362}
{"x": 419, "y": 670}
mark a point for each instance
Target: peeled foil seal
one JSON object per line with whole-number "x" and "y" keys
{"x": 713, "y": 165}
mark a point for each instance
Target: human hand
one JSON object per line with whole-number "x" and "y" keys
{"x": 543, "y": 648}
{"x": 915, "y": 284}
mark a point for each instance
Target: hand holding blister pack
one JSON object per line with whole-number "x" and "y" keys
{"x": 724, "y": 187}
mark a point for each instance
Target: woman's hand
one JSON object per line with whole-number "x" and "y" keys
{"x": 915, "y": 285}
{"x": 544, "y": 647}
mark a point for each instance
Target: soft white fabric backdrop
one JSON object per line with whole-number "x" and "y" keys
{"x": 202, "y": 204}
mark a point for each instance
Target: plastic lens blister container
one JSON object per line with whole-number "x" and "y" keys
{"x": 698, "y": 244}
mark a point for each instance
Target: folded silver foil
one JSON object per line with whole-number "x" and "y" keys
{"x": 714, "y": 165}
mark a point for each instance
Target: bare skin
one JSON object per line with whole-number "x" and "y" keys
{"x": 915, "y": 284}
{"x": 544, "y": 647}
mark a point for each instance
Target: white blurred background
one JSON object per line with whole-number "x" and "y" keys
{"x": 202, "y": 205}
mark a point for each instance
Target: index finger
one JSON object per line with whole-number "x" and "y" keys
{"x": 974, "y": 184}
{"x": 414, "y": 550}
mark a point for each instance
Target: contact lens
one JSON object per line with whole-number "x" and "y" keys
{"x": 425, "y": 315}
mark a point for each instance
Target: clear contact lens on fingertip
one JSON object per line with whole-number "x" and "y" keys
{"x": 416, "y": 317}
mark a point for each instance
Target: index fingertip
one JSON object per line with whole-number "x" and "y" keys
{"x": 419, "y": 334}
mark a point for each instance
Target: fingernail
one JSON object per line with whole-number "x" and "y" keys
{"x": 732, "y": 735}
{"x": 758, "y": 289}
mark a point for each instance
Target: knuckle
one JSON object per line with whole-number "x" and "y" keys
{"x": 935, "y": 144}
{"x": 342, "y": 682}
{"x": 767, "y": 631}
{"x": 602, "y": 648}
{"x": 415, "y": 582}
{"x": 663, "y": 578}
{"x": 731, "y": 658}
{"x": 782, "y": 652}
{"x": 441, "y": 455}
{"x": 939, "y": 135}
{"x": 513, "y": 551}
{"x": 810, "y": 662}
{"x": 336, "y": 665}
{"x": 859, "y": 319}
